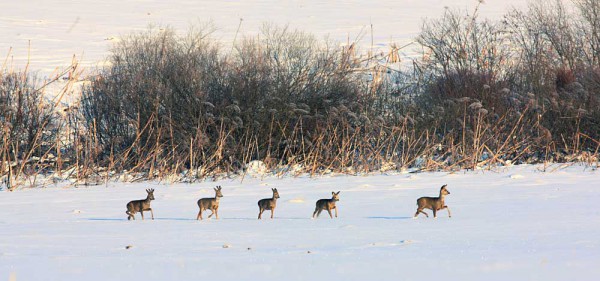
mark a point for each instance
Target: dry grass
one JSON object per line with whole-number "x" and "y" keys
{"x": 178, "y": 108}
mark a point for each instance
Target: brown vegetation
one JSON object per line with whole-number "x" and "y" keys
{"x": 524, "y": 90}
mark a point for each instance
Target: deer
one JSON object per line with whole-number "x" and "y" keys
{"x": 211, "y": 203}
{"x": 433, "y": 203}
{"x": 268, "y": 203}
{"x": 327, "y": 204}
{"x": 140, "y": 205}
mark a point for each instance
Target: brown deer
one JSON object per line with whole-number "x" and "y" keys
{"x": 433, "y": 203}
{"x": 211, "y": 204}
{"x": 268, "y": 203}
{"x": 140, "y": 205}
{"x": 327, "y": 204}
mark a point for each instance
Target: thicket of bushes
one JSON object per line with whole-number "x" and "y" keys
{"x": 170, "y": 103}
{"x": 27, "y": 131}
{"x": 524, "y": 90}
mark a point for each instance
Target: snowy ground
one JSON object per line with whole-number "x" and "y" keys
{"x": 515, "y": 224}
{"x": 48, "y": 33}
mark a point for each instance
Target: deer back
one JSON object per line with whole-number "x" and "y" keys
{"x": 269, "y": 203}
{"x": 211, "y": 202}
{"x": 433, "y": 202}
{"x": 142, "y": 204}
{"x": 328, "y": 203}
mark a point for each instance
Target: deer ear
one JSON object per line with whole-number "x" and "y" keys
{"x": 338, "y": 193}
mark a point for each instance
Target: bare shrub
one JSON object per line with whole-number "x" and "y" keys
{"x": 555, "y": 62}
{"x": 168, "y": 103}
{"x": 28, "y": 127}
{"x": 459, "y": 44}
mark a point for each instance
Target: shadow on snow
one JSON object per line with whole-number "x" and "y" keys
{"x": 389, "y": 218}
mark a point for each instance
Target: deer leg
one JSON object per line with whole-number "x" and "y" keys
{"x": 420, "y": 211}
{"x": 272, "y": 210}
{"x": 434, "y": 213}
{"x": 329, "y": 211}
{"x": 199, "y": 217}
{"x": 335, "y": 211}
{"x": 260, "y": 212}
{"x": 315, "y": 212}
{"x": 217, "y": 212}
{"x": 319, "y": 213}
{"x": 448, "y": 209}
{"x": 212, "y": 213}
{"x": 152, "y": 213}
{"x": 142, "y": 212}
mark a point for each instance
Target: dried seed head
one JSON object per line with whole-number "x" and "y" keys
{"x": 476, "y": 105}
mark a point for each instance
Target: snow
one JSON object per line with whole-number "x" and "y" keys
{"x": 256, "y": 168}
{"x": 49, "y": 33}
{"x": 514, "y": 223}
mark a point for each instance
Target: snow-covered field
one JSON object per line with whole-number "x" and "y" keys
{"x": 514, "y": 224}
{"x": 48, "y": 33}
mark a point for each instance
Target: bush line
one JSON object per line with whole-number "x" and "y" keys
{"x": 482, "y": 94}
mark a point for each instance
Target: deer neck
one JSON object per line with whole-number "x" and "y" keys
{"x": 217, "y": 198}
{"x": 442, "y": 197}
